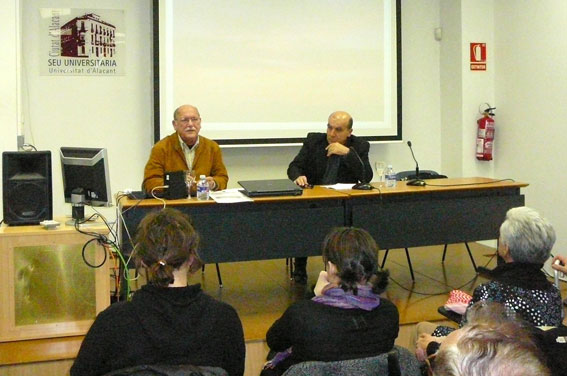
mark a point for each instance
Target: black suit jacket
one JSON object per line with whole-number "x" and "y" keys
{"x": 312, "y": 161}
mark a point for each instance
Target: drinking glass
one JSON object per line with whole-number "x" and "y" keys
{"x": 380, "y": 168}
{"x": 190, "y": 181}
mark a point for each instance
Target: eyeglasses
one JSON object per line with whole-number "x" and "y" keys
{"x": 189, "y": 120}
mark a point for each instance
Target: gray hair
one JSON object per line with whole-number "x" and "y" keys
{"x": 486, "y": 311}
{"x": 528, "y": 235}
{"x": 504, "y": 349}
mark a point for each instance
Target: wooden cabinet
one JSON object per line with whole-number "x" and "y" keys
{"x": 46, "y": 287}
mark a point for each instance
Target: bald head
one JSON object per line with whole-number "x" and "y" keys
{"x": 339, "y": 127}
{"x": 341, "y": 116}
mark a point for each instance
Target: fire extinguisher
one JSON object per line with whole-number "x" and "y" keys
{"x": 485, "y": 135}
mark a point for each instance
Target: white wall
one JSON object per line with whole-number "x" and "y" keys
{"x": 531, "y": 94}
{"x": 450, "y": 77}
{"x": 8, "y": 77}
{"x": 91, "y": 111}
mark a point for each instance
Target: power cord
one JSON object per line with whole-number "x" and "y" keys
{"x": 107, "y": 243}
{"x": 159, "y": 198}
{"x": 29, "y": 146}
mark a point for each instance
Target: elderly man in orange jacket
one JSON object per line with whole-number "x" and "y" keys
{"x": 185, "y": 150}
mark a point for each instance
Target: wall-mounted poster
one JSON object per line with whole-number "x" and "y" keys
{"x": 82, "y": 42}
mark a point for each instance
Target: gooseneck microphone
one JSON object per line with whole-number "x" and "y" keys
{"x": 415, "y": 160}
{"x": 417, "y": 180}
{"x": 363, "y": 185}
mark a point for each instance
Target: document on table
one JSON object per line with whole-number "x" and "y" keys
{"x": 339, "y": 186}
{"x": 229, "y": 196}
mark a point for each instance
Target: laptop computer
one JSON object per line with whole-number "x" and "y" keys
{"x": 274, "y": 187}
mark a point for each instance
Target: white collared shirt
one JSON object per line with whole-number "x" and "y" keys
{"x": 188, "y": 151}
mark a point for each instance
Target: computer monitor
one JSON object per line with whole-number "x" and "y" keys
{"x": 85, "y": 178}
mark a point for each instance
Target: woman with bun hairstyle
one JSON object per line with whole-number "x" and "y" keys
{"x": 347, "y": 318}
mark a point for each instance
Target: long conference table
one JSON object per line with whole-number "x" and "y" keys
{"x": 445, "y": 211}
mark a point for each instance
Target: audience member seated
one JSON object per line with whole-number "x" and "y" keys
{"x": 489, "y": 349}
{"x": 167, "y": 322}
{"x": 526, "y": 240}
{"x": 559, "y": 263}
{"x": 347, "y": 319}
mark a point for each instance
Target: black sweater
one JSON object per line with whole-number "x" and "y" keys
{"x": 163, "y": 325}
{"x": 320, "y": 332}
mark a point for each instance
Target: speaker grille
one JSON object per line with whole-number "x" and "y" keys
{"x": 27, "y": 200}
{"x": 26, "y": 179}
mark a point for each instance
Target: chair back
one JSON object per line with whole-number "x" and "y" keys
{"x": 168, "y": 370}
{"x": 398, "y": 362}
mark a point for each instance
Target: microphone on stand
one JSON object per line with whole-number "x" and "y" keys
{"x": 363, "y": 185}
{"x": 417, "y": 180}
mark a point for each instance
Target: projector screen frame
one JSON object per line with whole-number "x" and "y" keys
{"x": 158, "y": 97}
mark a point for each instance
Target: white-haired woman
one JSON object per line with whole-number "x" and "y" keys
{"x": 505, "y": 348}
{"x": 526, "y": 240}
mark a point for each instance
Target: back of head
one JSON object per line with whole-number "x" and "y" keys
{"x": 165, "y": 240}
{"x": 528, "y": 235}
{"x": 491, "y": 313}
{"x": 354, "y": 252}
{"x": 489, "y": 349}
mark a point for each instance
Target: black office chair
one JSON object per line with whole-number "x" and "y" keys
{"x": 167, "y": 369}
{"x": 423, "y": 174}
{"x": 451, "y": 315}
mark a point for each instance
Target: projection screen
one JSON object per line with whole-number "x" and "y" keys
{"x": 267, "y": 72}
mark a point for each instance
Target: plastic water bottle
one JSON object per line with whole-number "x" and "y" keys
{"x": 202, "y": 188}
{"x": 390, "y": 177}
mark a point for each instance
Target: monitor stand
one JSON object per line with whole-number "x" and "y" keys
{"x": 78, "y": 214}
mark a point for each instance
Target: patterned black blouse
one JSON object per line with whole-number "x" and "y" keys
{"x": 523, "y": 288}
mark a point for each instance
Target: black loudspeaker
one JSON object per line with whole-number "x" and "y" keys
{"x": 26, "y": 184}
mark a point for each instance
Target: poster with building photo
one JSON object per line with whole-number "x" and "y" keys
{"x": 82, "y": 42}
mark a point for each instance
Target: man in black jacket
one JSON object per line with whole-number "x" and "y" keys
{"x": 335, "y": 157}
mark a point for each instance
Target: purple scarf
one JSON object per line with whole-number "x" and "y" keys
{"x": 337, "y": 297}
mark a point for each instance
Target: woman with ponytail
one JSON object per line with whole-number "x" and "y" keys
{"x": 347, "y": 318}
{"x": 167, "y": 322}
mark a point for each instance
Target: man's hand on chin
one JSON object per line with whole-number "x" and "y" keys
{"x": 336, "y": 148}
